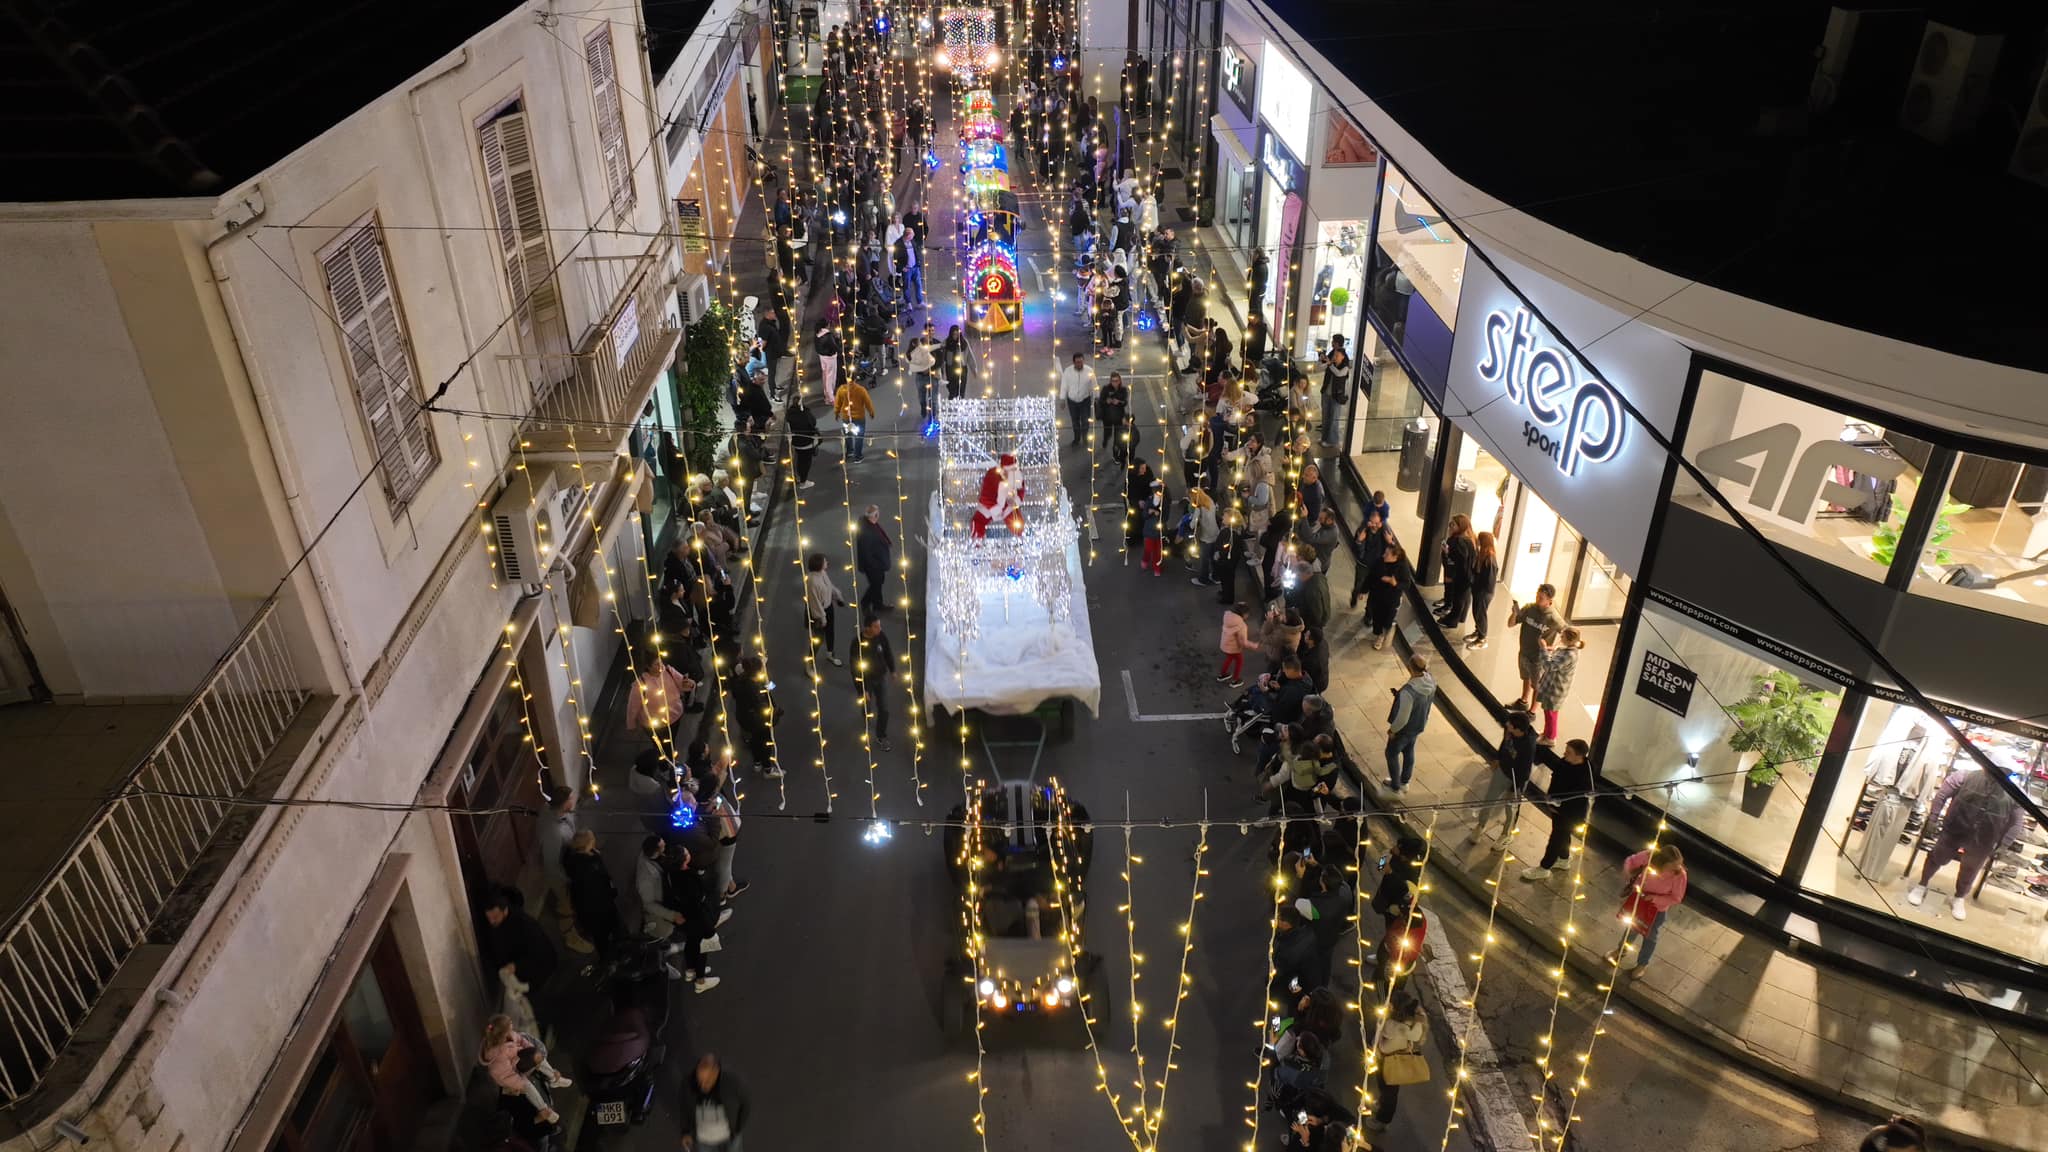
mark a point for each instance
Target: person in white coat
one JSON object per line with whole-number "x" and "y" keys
{"x": 1077, "y": 388}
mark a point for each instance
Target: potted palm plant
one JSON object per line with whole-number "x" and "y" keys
{"x": 1782, "y": 722}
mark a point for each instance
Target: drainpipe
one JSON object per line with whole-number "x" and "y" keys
{"x": 287, "y": 469}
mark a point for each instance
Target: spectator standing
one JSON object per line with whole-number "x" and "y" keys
{"x": 1336, "y": 385}
{"x": 753, "y": 707}
{"x": 1383, "y": 596}
{"x": 1236, "y": 639}
{"x": 551, "y": 836}
{"x": 821, "y": 597}
{"x": 923, "y": 358}
{"x": 1539, "y": 622}
{"x": 1560, "y": 663}
{"x": 1206, "y": 527}
{"x": 592, "y": 895}
{"x": 1368, "y": 548}
{"x": 1228, "y": 548}
{"x": 872, "y": 555}
{"x": 503, "y": 1045}
{"x": 1570, "y": 806}
{"x": 1514, "y": 760}
{"x": 1077, "y": 388}
{"x": 1113, "y": 410}
{"x": 1656, "y": 885}
{"x": 1485, "y": 575}
{"x": 1413, "y": 703}
{"x": 1402, "y": 1060}
{"x": 522, "y": 955}
{"x": 1459, "y": 553}
{"x": 957, "y": 361}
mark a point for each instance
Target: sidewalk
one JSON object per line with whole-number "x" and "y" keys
{"x": 1821, "y": 1030}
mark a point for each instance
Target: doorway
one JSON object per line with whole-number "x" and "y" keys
{"x": 370, "y": 1087}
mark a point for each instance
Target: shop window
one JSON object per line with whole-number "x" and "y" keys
{"x": 1810, "y": 478}
{"x": 1877, "y": 835}
{"x": 1338, "y": 291}
{"x": 1534, "y": 547}
{"x": 1686, "y": 684}
{"x": 1988, "y": 547}
{"x": 1418, "y": 265}
{"x": 1393, "y": 436}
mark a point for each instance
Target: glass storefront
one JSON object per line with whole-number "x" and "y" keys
{"x": 1535, "y": 547}
{"x": 1683, "y": 687}
{"x": 1418, "y": 265}
{"x": 1393, "y": 437}
{"x": 1810, "y": 478}
{"x": 1338, "y": 292}
{"x": 1237, "y": 186}
{"x": 1988, "y": 547}
{"x": 1876, "y": 838}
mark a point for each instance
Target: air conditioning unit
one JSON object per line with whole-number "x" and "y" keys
{"x": 528, "y": 526}
{"x": 693, "y": 297}
{"x": 1950, "y": 77}
{"x": 2030, "y": 154}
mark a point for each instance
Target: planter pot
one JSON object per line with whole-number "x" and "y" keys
{"x": 1755, "y": 797}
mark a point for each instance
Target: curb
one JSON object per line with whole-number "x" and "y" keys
{"x": 1656, "y": 1008}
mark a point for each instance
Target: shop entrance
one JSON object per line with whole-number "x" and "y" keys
{"x": 1272, "y": 207}
{"x": 1536, "y": 545}
{"x": 370, "y": 1086}
{"x": 500, "y": 772}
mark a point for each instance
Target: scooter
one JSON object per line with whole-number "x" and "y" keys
{"x": 517, "y": 1126}
{"x": 620, "y": 1071}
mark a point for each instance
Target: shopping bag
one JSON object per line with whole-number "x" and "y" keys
{"x": 1399, "y": 1069}
{"x": 1638, "y": 913}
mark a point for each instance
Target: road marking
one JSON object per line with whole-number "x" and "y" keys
{"x": 1489, "y": 1099}
{"x": 1131, "y": 698}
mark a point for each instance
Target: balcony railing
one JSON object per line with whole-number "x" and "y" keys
{"x": 66, "y": 942}
{"x": 604, "y": 383}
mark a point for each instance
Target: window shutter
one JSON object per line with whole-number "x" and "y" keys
{"x": 610, "y": 118}
{"x": 523, "y": 238}
{"x": 380, "y": 361}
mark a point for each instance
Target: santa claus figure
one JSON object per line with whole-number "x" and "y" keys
{"x": 1002, "y": 495}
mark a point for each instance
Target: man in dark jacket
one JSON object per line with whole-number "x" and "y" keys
{"x": 1297, "y": 957}
{"x": 775, "y": 335}
{"x": 1327, "y": 907}
{"x": 1513, "y": 762}
{"x": 592, "y": 894}
{"x": 519, "y": 949}
{"x": 873, "y": 661}
{"x": 1401, "y": 869}
{"x": 714, "y": 1108}
{"x": 872, "y": 553}
{"x": 752, "y": 710}
{"x": 1570, "y": 805}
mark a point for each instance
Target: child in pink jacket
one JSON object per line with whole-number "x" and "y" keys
{"x": 1237, "y": 639}
{"x": 500, "y": 1056}
{"x": 1656, "y": 885}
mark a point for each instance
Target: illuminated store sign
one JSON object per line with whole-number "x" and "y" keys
{"x": 1238, "y": 76}
{"x": 1286, "y": 99}
{"x": 1573, "y": 417}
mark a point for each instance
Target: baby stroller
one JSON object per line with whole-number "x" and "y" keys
{"x": 1247, "y": 718}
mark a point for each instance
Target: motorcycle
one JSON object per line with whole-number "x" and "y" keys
{"x": 621, "y": 1068}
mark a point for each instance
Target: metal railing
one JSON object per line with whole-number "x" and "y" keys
{"x": 608, "y": 373}
{"x": 67, "y": 940}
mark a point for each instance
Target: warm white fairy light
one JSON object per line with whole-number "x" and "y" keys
{"x": 1567, "y": 937}
{"x": 1486, "y": 941}
{"x": 1068, "y": 890}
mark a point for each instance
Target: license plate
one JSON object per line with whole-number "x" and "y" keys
{"x": 613, "y": 1112}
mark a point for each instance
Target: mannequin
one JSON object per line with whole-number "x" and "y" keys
{"x": 1976, "y": 815}
{"x": 1897, "y": 767}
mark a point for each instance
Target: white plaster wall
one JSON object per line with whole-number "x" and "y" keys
{"x": 423, "y": 178}
{"x": 245, "y": 1005}
{"x": 91, "y": 487}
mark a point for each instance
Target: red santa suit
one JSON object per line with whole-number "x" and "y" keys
{"x": 1002, "y": 494}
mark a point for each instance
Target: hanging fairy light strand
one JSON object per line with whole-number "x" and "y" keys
{"x": 1069, "y": 891}
{"x": 1559, "y": 993}
{"x": 1157, "y": 1121}
{"x": 1487, "y": 940}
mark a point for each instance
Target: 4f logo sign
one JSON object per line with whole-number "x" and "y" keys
{"x": 1803, "y": 484}
{"x": 1574, "y": 417}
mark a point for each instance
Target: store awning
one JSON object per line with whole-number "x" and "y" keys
{"x": 1231, "y": 144}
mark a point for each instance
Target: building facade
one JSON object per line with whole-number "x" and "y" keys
{"x": 1600, "y": 420}
{"x": 367, "y": 413}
